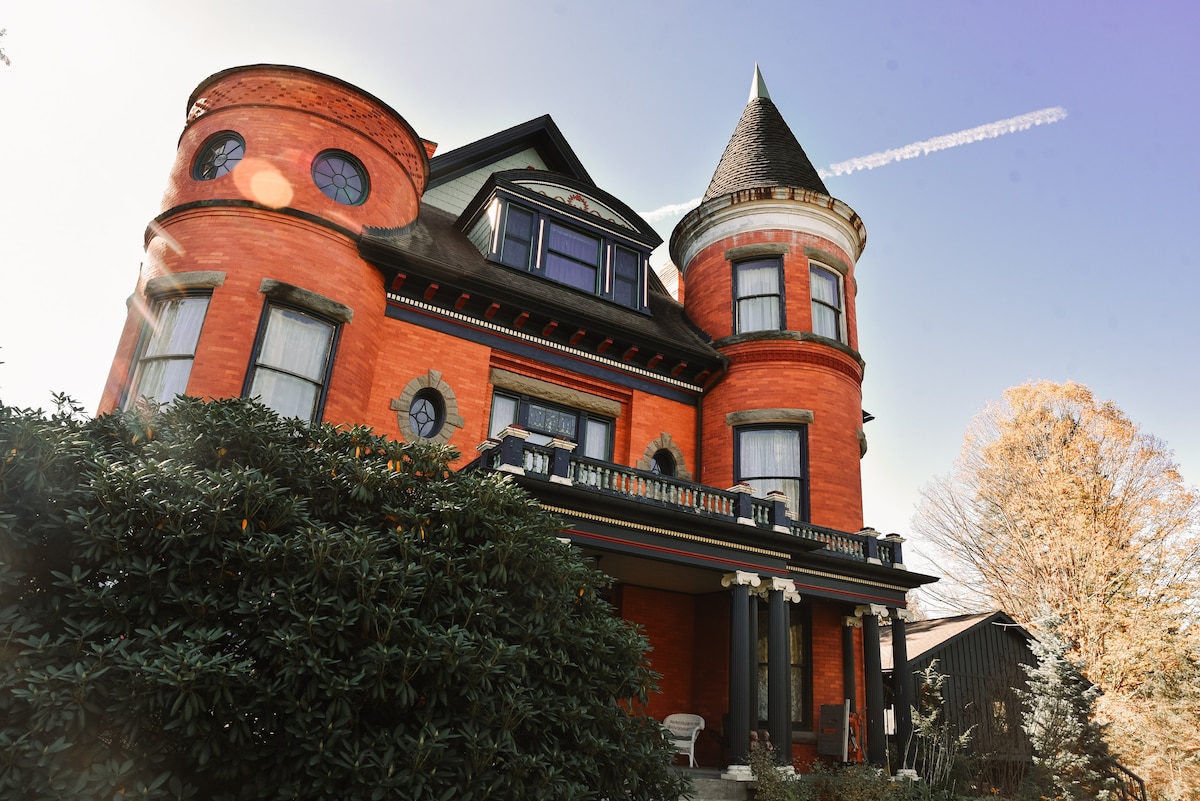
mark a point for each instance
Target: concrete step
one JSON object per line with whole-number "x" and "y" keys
{"x": 708, "y": 789}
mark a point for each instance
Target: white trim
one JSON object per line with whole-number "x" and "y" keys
{"x": 721, "y": 220}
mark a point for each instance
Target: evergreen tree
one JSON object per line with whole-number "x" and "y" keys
{"x": 210, "y": 602}
{"x": 1059, "y": 716}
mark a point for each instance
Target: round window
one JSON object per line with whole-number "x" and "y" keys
{"x": 340, "y": 177}
{"x": 663, "y": 463}
{"x": 427, "y": 413}
{"x": 219, "y": 155}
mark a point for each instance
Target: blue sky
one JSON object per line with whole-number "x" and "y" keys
{"x": 1065, "y": 252}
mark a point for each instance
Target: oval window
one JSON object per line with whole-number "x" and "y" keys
{"x": 340, "y": 177}
{"x": 427, "y": 413}
{"x": 220, "y": 154}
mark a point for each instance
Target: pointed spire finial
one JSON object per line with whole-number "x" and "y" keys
{"x": 758, "y": 87}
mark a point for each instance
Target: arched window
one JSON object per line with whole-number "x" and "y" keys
{"x": 663, "y": 463}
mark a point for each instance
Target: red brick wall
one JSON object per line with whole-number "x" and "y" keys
{"x": 666, "y": 619}
{"x": 710, "y": 675}
{"x": 650, "y": 417}
{"x": 795, "y": 375}
{"x": 689, "y": 637}
{"x": 409, "y": 351}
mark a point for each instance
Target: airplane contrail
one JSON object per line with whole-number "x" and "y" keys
{"x": 924, "y": 148}
{"x": 1023, "y": 122}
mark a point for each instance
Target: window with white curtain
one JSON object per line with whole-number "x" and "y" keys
{"x": 758, "y": 293}
{"x": 770, "y": 459}
{"x": 826, "y": 303}
{"x": 291, "y": 364}
{"x": 798, "y": 647}
{"x": 544, "y": 421}
{"x": 168, "y": 350}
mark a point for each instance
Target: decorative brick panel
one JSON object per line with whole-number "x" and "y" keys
{"x": 286, "y": 117}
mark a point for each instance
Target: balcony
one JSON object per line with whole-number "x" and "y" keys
{"x": 557, "y": 464}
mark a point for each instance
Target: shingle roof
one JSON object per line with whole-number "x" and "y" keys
{"x": 925, "y": 635}
{"x": 763, "y": 151}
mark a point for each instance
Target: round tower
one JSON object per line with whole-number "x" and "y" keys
{"x": 252, "y": 278}
{"x": 768, "y": 264}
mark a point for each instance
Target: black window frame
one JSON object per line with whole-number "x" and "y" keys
{"x": 359, "y": 171}
{"x": 146, "y": 337}
{"x": 838, "y": 311}
{"x": 802, "y": 509}
{"x": 204, "y": 170}
{"x": 609, "y": 248}
{"x": 260, "y": 339}
{"x": 739, "y": 298}
{"x": 582, "y": 417}
{"x": 426, "y": 400}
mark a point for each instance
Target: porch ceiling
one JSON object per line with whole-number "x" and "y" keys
{"x": 627, "y": 569}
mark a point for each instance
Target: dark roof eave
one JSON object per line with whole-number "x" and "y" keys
{"x": 378, "y": 250}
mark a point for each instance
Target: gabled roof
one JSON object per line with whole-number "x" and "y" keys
{"x": 927, "y": 635}
{"x": 763, "y": 151}
{"x": 600, "y": 207}
{"x": 540, "y": 134}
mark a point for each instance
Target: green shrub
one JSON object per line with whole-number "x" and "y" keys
{"x": 210, "y": 602}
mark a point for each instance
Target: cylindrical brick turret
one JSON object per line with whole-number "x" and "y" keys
{"x": 767, "y": 260}
{"x": 277, "y": 171}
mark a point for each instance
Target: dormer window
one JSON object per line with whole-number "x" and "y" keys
{"x": 564, "y": 248}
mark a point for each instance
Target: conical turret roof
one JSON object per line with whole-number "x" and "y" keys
{"x": 763, "y": 151}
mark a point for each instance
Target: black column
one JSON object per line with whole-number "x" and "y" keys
{"x": 739, "y": 675}
{"x": 752, "y": 661}
{"x": 902, "y": 687}
{"x": 876, "y": 739}
{"x": 849, "y": 681}
{"x": 779, "y": 674}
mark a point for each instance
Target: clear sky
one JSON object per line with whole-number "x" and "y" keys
{"x": 1064, "y": 252}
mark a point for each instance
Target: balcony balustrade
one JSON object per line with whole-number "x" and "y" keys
{"x": 558, "y": 463}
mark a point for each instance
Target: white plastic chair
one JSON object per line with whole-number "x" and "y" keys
{"x": 684, "y": 730}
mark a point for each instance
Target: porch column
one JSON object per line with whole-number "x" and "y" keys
{"x": 752, "y": 663}
{"x": 873, "y": 670}
{"x": 849, "y": 674}
{"x": 738, "y": 733}
{"x": 779, "y": 665}
{"x": 902, "y": 685}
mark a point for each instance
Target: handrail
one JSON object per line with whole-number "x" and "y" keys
{"x": 1130, "y": 786}
{"x": 557, "y": 463}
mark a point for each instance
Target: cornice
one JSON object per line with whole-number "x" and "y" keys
{"x": 771, "y": 208}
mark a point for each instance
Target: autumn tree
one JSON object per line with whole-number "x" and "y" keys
{"x": 1059, "y": 503}
{"x": 211, "y": 602}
